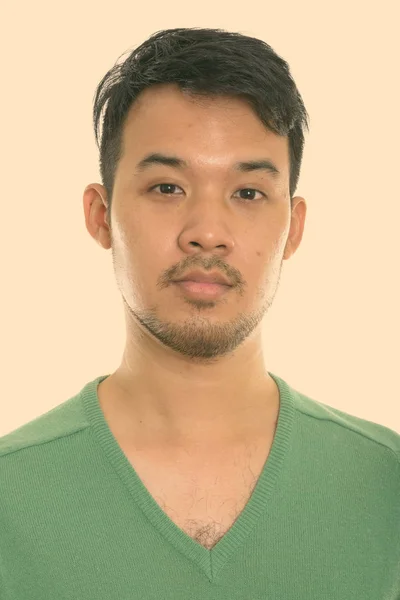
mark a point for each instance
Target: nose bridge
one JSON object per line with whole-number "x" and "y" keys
{"x": 208, "y": 192}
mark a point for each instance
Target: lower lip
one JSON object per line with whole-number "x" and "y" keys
{"x": 207, "y": 290}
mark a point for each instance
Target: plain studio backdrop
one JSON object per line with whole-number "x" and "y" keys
{"x": 333, "y": 329}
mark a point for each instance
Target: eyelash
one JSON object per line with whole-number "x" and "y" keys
{"x": 175, "y": 185}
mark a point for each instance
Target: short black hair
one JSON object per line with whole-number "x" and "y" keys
{"x": 202, "y": 62}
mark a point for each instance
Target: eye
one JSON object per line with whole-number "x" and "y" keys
{"x": 172, "y": 185}
{"x": 251, "y": 190}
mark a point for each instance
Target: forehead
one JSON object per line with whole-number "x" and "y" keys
{"x": 208, "y": 131}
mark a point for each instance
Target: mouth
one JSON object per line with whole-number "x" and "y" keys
{"x": 202, "y": 289}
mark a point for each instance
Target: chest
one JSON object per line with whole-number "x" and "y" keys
{"x": 203, "y": 494}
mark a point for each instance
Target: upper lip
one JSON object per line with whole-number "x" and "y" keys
{"x": 201, "y": 277}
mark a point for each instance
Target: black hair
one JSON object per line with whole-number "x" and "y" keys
{"x": 202, "y": 62}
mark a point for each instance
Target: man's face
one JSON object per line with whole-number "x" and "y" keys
{"x": 208, "y": 217}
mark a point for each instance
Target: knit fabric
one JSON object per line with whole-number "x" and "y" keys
{"x": 322, "y": 523}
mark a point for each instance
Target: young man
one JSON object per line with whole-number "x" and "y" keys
{"x": 192, "y": 471}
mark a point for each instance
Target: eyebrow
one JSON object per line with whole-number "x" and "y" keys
{"x": 157, "y": 158}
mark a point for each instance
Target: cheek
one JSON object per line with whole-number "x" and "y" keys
{"x": 149, "y": 257}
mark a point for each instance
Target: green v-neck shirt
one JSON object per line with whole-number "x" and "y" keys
{"x": 323, "y": 521}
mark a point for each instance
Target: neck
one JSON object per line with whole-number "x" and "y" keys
{"x": 160, "y": 404}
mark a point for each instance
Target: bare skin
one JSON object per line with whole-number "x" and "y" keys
{"x": 192, "y": 382}
{"x": 202, "y": 488}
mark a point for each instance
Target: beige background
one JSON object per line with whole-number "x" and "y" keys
{"x": 333, "y": 330}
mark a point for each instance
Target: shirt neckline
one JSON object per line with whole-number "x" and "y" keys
{"x": 210, "y": 561}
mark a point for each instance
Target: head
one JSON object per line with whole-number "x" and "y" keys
{"x": 207, "y": 99}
